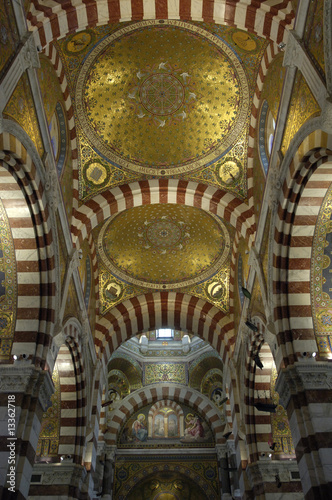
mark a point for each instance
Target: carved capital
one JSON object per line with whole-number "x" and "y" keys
{"x": 110, "y": 452}
{"x": 266, "y": 471}
{"x": 221, "y": 450}
{"x": 29, "y": 55}
{"x": 64, "y": 473}
{"x": 301, "y": 377}
{"x": 293, "y": 52}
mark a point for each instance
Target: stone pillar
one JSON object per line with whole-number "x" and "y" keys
{"x": 305, "y": 390}
{"x": 230, "y": 447}
{"x": 224, "y": 472}
{"x": 24, "y": 395}
{"x": 107, "y": 489}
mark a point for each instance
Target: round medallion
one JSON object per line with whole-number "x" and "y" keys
{"x": 164, "y": 246}
{"x": 162, "y": 94}
{"x": 162, "y": 99}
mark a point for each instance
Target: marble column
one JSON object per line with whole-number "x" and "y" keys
{"x": 108, "y": 475}
{"x": 305, "y": 390}
{"x": 224, "y": 472}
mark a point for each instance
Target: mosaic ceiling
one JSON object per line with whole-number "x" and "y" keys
{"x": 164, "y": 245}
{"x": 162, "y": 98}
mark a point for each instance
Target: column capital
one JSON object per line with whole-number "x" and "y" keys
{"x": 221, "y": 450}
{"x": 22, "y": 377}
{"x": 110, "y": 451}
{"x": 300, "y": 377}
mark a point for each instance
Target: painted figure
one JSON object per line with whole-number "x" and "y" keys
{"x": 139, "y": 431}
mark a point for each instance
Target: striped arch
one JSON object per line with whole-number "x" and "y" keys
{"x": 160, "y": 309}
{"x": 73, "y": 401}
{"x": 53, "y": 55}
{"x": 51, "y": 20}
{"x": 170, "y": 392}
{"x": 177, "y": 191}
{"x": 304, "y": 190}
{"x": 24, "y": 199}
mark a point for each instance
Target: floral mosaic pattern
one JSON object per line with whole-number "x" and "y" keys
{"x": 281, "y": 433}
{"x": 49, "y": 436}
{"x": 7, "y": 286}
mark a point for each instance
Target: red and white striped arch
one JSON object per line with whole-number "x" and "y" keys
{"x": 24, "y": 199}
{"x": 147, "y": 192}
{"x": 171, "y": 392}
{"x": 304, "y": 189}
{"x": 160, "y": 309}
{"x": 51, "y": 19}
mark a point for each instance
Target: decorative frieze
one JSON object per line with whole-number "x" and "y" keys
{"x": 266, "y": 471}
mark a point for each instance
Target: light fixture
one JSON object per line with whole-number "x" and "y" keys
{"x": 270, "y": 455}
{"x": 223, "y": 401}
{"x": 273, "y": 445}
{"x": 258, "y": 361}
{"x": 251, "y": 326}
{"x": 14, "y": 357}
{"x": 314, "y": 354}
{"x": 269, "y": 407}
{"x": 246, "y": 292}
{"x": 281, "y": 45}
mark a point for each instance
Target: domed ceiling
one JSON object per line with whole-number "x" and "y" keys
{"x": 162, "y": 99}
{"x": 164, "y": 246}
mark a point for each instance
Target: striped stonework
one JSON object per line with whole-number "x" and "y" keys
{"x": 23, "y": 197}
{"x": 182, "y": 192}
{"x": 51, "y": 20}
{"x": 161, "y": 309}
{"x": 304, "y": 190}
{"x": 156, "y": 395}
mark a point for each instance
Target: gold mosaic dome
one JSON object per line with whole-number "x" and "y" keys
{"x": 162, "y": 99}
{"x": 163, "y": 246}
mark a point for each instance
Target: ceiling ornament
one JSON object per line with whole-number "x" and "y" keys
{"x": 145, "y": 87}
{"x": 164, "y": 246}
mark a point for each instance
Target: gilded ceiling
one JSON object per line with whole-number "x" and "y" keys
{"x": 162, "y": 98}
{"x": 164, "y": 246}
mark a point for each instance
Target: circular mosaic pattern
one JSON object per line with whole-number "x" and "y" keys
{"x": 162, "y": 94}
{"x": 163, "y": 246}
{"x": 163, "y": 234}
{"x": 146, "y": 87}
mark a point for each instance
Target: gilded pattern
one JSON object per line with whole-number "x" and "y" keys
{"x": 245, "y": 50}
{"x": 201, "y": 472}
{"x": 20, "y": 108}
{"x": 281, "y": 433}
{"x": 9, "y": 38}
{"x": 302, "y": 107}
{"x": 49, "y": 436}
{"x": 313, "y": 35}
{"x": 165, "y": 372}
{"x": 8, "y": 286}
{"x": 321, "y": 283}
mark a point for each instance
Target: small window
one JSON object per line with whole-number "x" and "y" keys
{"x": 165, "y": 333}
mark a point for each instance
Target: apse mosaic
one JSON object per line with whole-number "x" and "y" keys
{"x": 167, "y": 478}
{"x": 302, "y": 106}
{"x": 21, "y": 109}
{"x": 321, "y": 282}
{"x": 165, "y": 425}
{"x": 48, "y": 442}
{"x": 136, "y": 101}
{"x": 8, "y": 286}
{"x": 313, "y": 35}
{"x": 281, "y": 433}
{"x": 163, "y": 247}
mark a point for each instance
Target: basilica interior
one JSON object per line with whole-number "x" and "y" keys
{"x": 165, "y": 269}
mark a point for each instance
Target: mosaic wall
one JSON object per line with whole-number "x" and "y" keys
{"x": 8, "y": 286}
{"x": 150, "y": 477}
{"x": 273, "y": 82}
{"x": 321, "y": 282}
{"x": 62, "y": 252}
{"x": 21, "y": 109}
{"x": 9, "y": 38}
{"x": 313, "y": 35}
{"x": 264, "y": 252}
{"x": 97, "y": 173}
{"x": 165, "y": 372}
{"x": 49, "y": 436}
{"x": 302, "y": 107}
{"x": 281, "y": 433}
{"x": 72, "y": 307}
{"x": 161, "y": 426}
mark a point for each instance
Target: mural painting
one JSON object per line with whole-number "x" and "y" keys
{"x": 165, "y": 424}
